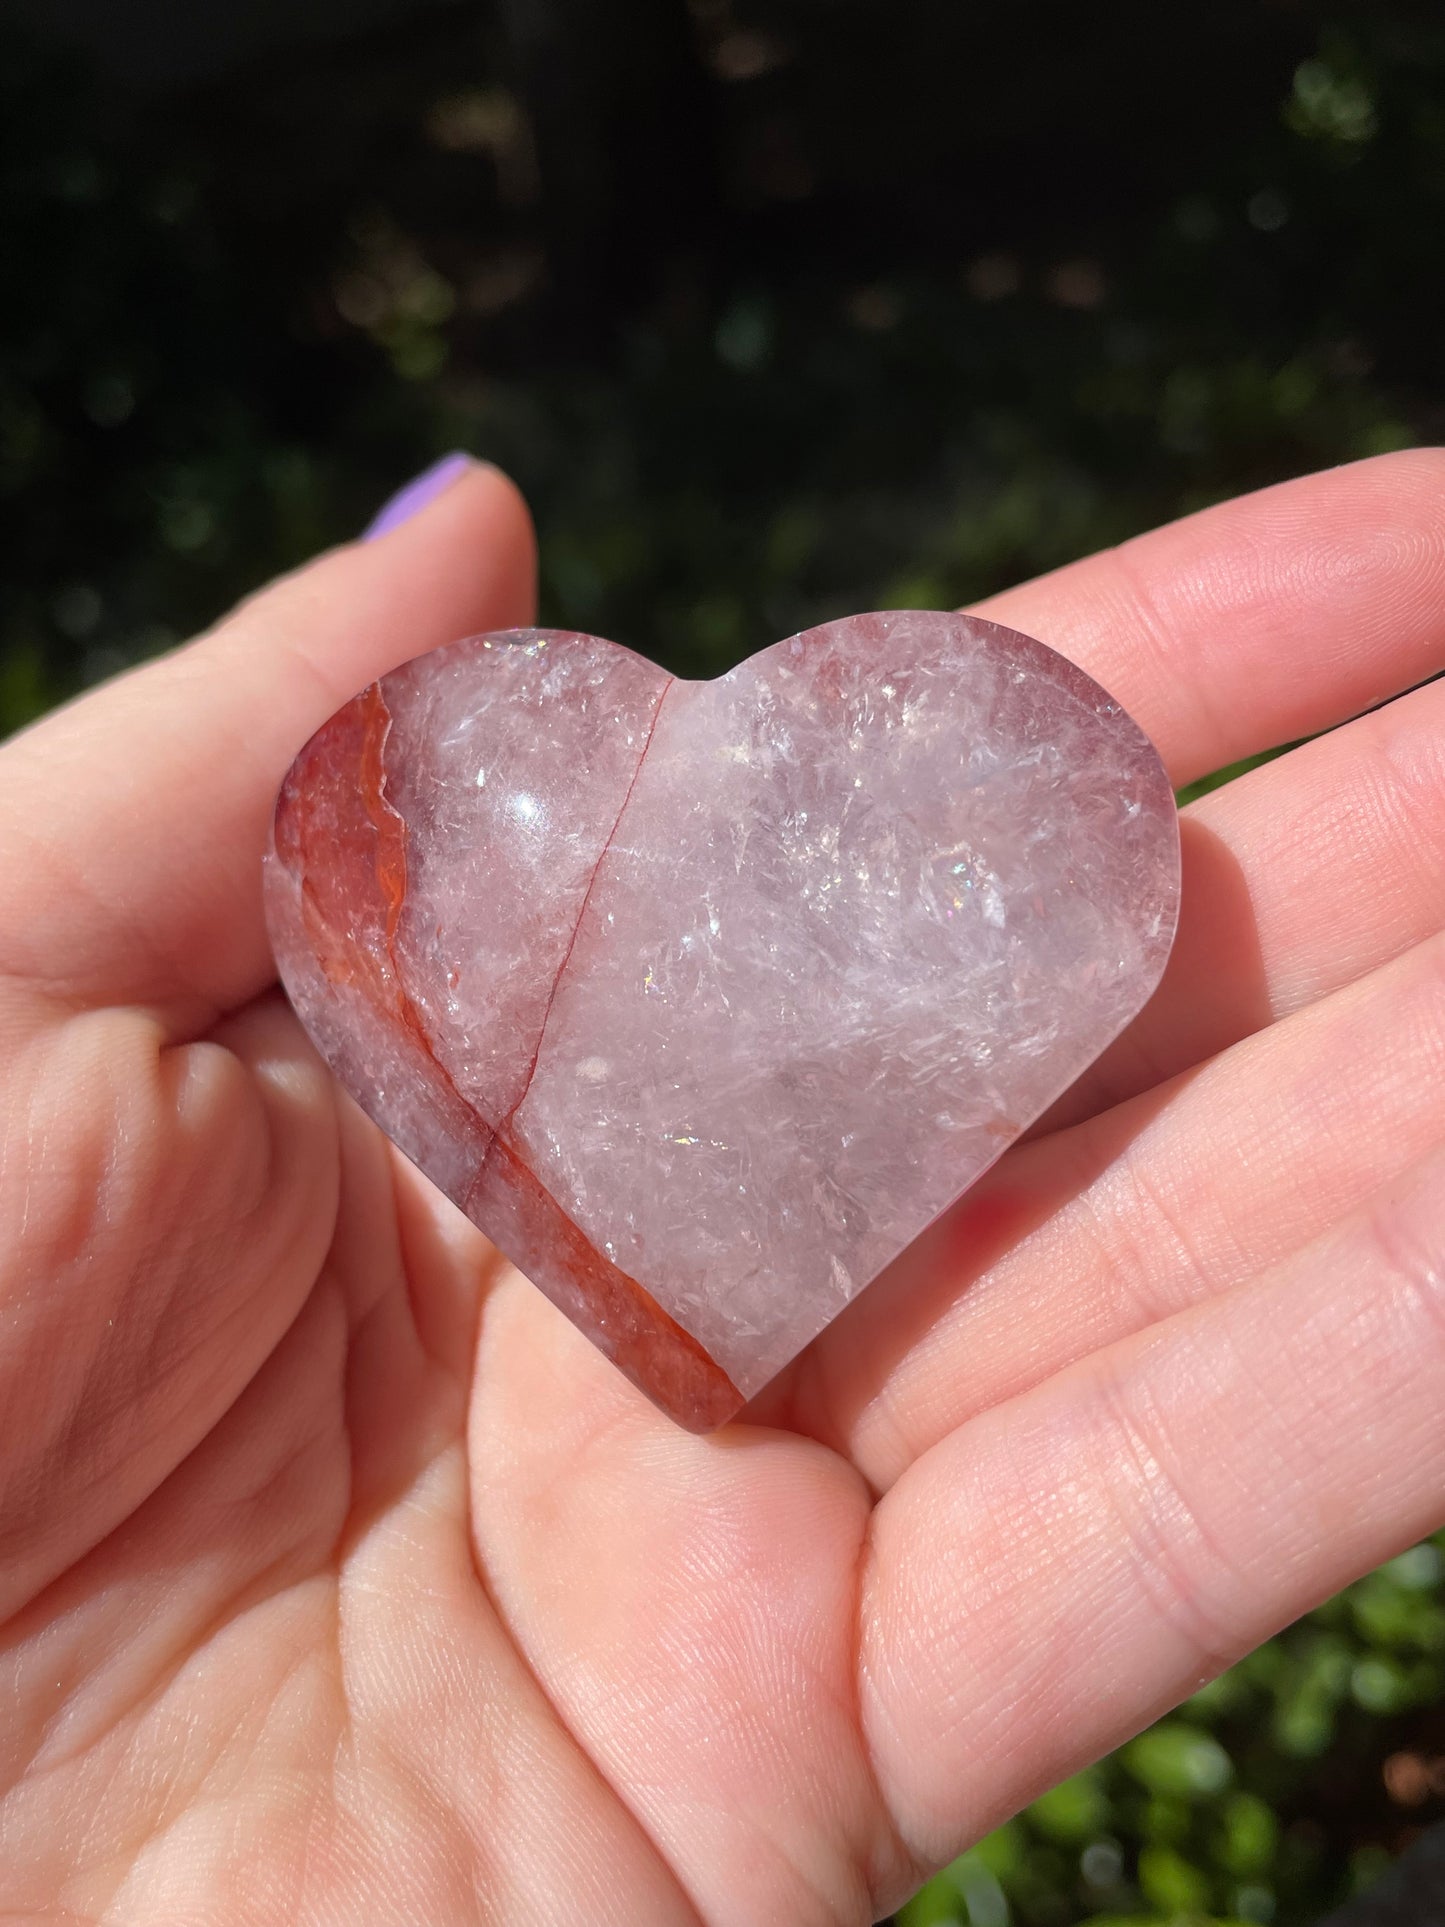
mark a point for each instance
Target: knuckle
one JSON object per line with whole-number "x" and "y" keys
{"x": 1407, "y": 1240}
{"x": 1175, "y": 1561}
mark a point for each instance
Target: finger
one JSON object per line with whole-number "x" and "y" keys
{"x": 167, "y": 1212}
{"x": 132, "y": 823}
{"x": 1264, "y": 619}
{"x": 1080, "y": 1239}
{"x": 1057, "y": 1573}
{"x": 1298, "y": 878}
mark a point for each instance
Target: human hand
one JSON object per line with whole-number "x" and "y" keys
{"x": 341, "y": 1579}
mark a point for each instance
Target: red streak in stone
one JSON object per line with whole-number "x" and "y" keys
{"x": 390, "y": 864}
{"x": 621, "y": 1317}
{"x": 390, "y": 861}
{"x": 326, "y": 838}
{"x": 389, "y": 826}
{"x": 352, "y": 866}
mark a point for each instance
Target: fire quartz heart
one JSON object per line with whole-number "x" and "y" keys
{"x": 703, "y": 999}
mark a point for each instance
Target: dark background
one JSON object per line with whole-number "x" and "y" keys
{"x": 778, "y": 311}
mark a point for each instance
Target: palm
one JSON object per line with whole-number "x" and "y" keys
{"x": 332, "y": 1595}
{"x": 344, "y": 1581}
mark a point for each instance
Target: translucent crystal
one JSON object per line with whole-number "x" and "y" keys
{"x": 703, "y": 999}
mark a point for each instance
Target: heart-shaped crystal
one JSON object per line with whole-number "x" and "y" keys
{"x": 703, "y": 999}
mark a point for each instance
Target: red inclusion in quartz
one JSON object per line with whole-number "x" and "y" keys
{"x": 339, "y": 837}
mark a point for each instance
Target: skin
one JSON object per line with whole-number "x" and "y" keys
{"x": 342, "y": 1580}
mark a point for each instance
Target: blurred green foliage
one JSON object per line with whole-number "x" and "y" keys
{"x": 235, "y": 318}
{"x": 901, "y": 305}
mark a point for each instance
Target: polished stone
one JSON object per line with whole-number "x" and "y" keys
{"x": 703, "y": 999}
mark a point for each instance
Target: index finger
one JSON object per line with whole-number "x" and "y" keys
{"x": 1264, "y": 619}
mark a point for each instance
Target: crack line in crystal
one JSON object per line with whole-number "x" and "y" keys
{"x": 502, "y": 1127}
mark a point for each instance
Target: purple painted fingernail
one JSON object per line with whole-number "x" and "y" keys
{"x": 427, "y": 486}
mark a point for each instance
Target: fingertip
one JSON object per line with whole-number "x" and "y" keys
{"x": 411, "y": 499}
{"x": 1427, "y": 460}
{"x": 472, "y": 509}
{"x": 514, "y": 540}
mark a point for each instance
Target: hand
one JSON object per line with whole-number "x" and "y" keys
{"x": 344, "y": 1582}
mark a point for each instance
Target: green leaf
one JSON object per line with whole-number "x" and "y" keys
{"x": 1175, "y": 1758}
{"x": 1249, "y": 1835}
{"x": 1171, "y": 1883}
{"x": 1004, "y": 1852}
{"x": 1379, "y": 1686}
{"x": 939, "y": 1904}
{"x": 1075, "y": 1811}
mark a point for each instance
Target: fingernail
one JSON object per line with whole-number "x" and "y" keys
{"x": 427, "y": 486}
